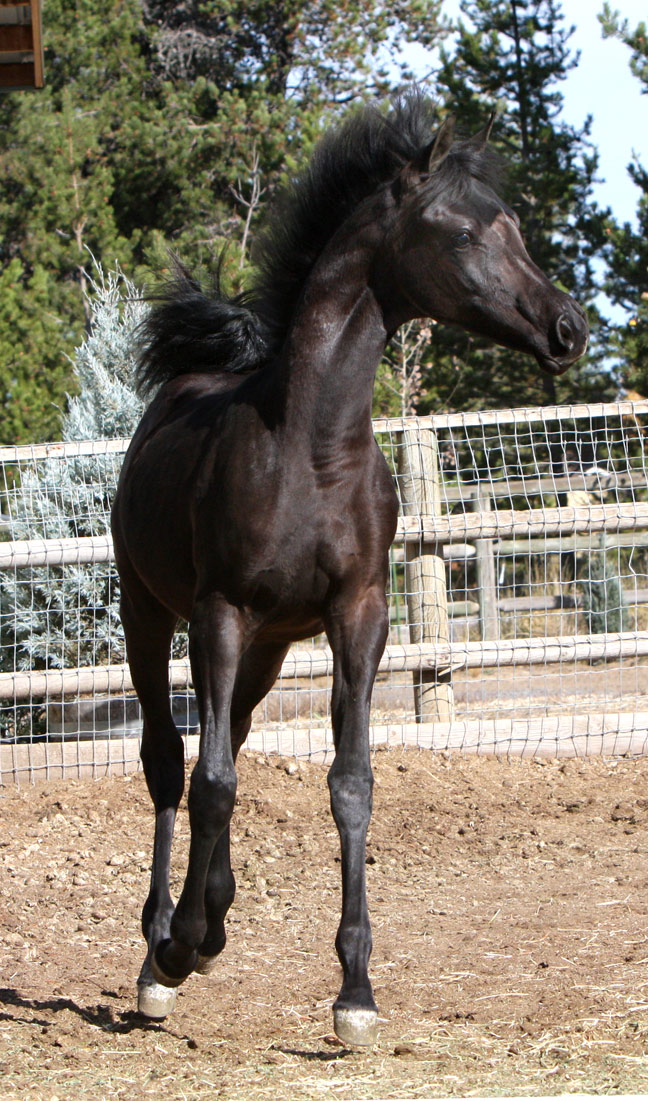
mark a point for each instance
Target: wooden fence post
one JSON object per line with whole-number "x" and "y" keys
{"x": 486, "y": 577}
{"x": 425, "y": 578}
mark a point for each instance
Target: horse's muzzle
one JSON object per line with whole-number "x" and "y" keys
{"x": 567, "y": 339}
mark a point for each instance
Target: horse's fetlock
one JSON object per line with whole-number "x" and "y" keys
{"x": 187, "y": 932}
{"x": 354, "y": 942}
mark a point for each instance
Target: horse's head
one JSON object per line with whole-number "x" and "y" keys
{"x": 456, "y": 254}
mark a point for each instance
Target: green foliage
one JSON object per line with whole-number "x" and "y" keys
{"x": 34, "y": 376}
{"x": 164, "y": 125}
{"x": 614, "y": 25}
{"x": 626, "y": 247}
{"x": 604, "y": 605}
{"x": 627, "y": 285}
{"x": 56, "y": 183}
{"x": 68, "y": 616}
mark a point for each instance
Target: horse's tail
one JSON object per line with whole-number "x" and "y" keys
{"x": 189, "y": 330}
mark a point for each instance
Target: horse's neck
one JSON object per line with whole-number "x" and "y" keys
{"x": 335, "y": 345}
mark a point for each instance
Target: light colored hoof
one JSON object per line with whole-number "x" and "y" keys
{"x": 356, "y": 1027}
{"x": 205, "y": 964}
{"x": 155, "y": 1001}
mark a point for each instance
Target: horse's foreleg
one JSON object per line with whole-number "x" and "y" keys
{"x": 357, "y": 630}
{"x": 215, "y": 637}
{"x": 148, "y": 628}
{"x": 258, "y": 669}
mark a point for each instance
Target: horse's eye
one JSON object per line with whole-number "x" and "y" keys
{"x": 462, "y": 240}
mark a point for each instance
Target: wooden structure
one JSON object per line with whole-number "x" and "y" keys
{"x": 430, "y": 655}
{"x": 443, "y": 519}
{"x": 21, "y": 46}
{"x": 425, "y": 576}
{"x": 486, "y": 578}
{"x": 418, "y": 658}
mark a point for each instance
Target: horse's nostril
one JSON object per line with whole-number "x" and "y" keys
{"x": 565, "y": 333}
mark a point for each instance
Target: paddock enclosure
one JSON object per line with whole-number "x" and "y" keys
{"x": 519, "y": 584}
{"x": 507, "y": 883}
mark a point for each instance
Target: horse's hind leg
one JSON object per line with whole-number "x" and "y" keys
{"x": 258, "y": 670}
{"x": 215, "y": 642}
{"x": 149, "y": 627}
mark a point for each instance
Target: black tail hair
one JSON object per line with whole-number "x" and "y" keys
{"x": 190, "y": 329}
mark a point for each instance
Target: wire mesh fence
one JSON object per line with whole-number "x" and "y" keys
{"x": 518, "y": 599}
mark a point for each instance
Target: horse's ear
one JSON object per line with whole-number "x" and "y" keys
{"x": 441, "y": 145}
{"x": 481, "y": 139}
{"x": 430, "y": 159}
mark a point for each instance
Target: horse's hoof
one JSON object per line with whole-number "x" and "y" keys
{"x": 205, "y": 964}
{"x": 356, "y": 1027}
{"x": 155, "y": 1000}
{"x": 162, "y": 976}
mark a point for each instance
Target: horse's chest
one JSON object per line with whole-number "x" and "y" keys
{"x": 294, "y": 568}
{"x": 280, "y": 551}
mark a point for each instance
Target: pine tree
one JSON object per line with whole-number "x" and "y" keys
{"x": 56, "y": 617}
{"x": 107, "y": 405}
{"x": 166, "y": 125}
{"x": 604, "y": 604}
{"x": 626, "y": 247}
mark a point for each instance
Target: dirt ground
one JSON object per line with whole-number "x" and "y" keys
{"x": 508, "y": 901}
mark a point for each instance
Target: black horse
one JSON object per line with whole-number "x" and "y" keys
{"x": 254, "y": 501}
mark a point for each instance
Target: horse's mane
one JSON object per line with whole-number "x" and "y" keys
{"x": 191, "y": 330}
{"x": 351, "y": 162}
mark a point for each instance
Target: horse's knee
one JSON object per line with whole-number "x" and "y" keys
{"x": 351, "y": 796}
{"x": 350, "y": 784}
{"x": 163, "y": 764}
{"x": 212, "y": 796}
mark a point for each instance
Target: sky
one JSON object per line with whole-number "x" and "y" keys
{"x": 603, "y": 86}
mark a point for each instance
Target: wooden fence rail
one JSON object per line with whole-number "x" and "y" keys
{"x": 505, "y": 523}
{"x": 437, "y": 658}
{"x": 427, "y": 537}
{"x": 20, "y": 553}
{"x": 600, "y": 481}
{"x": 435, "y": 529}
